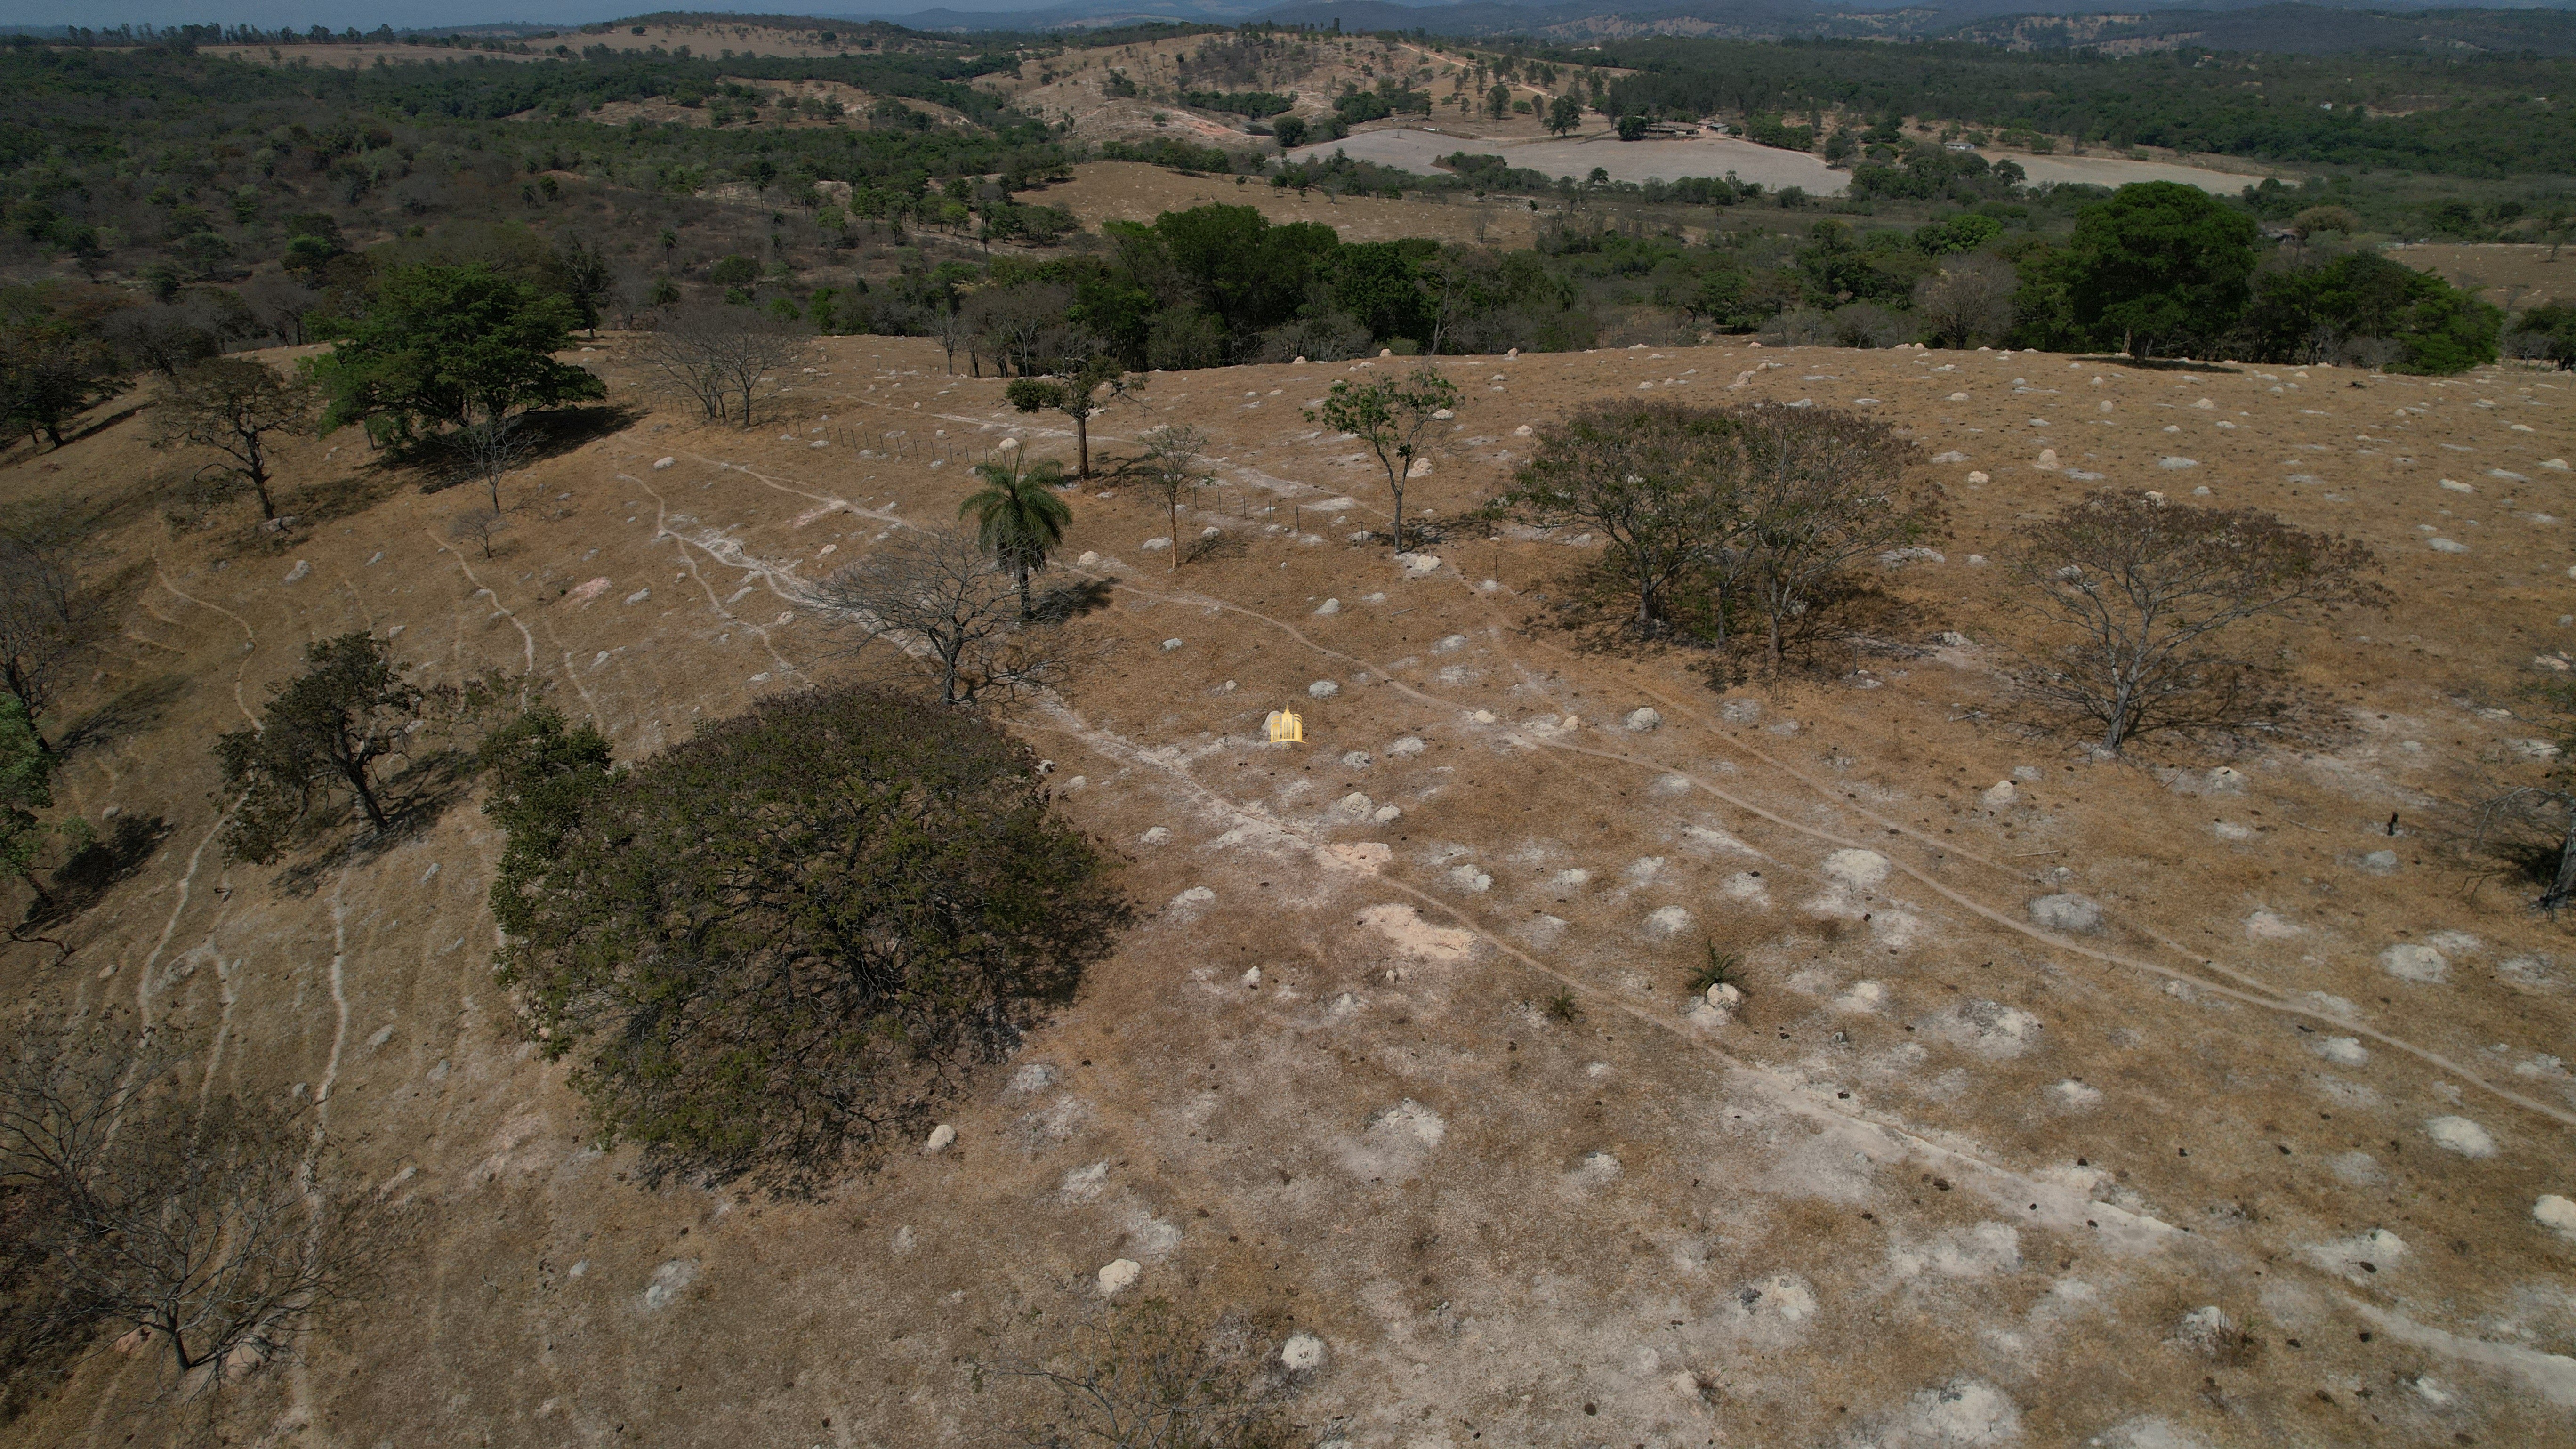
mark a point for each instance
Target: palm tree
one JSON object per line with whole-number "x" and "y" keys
{"x": 1018, "y": 517}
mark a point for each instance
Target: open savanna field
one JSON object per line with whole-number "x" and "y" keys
{"x": 1396, "y": 1061}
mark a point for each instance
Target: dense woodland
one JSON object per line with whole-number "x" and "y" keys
{"x": 2462, "y": 116}
{"x": 162, "y": 206}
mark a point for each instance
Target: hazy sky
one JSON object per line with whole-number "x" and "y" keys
{"x": 368, "y": 14}
{"x": 424, "y": 14}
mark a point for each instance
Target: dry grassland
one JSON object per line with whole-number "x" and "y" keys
{"x": 1951, "y": 1177}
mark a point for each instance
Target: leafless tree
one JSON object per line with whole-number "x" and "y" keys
{"x": 939, "y": 595}
{"x": 1146, "y": 1376}
{"x": 1970, "y": 301}
{"x": 280, "y": 302}
{"x": 235, "y": 407}
{"x": 2511, "y": 816}
{"x": 728, "y": 359}
{"x": 955, "y": 326}
{"x": 40, "y": 618}
{"x": 1175, "y": 467}
{"x": 2135, "y": 587}
{"x": 218, "y": 1230}
{"x": 478, "y": 525}
{"x": 1014, "y": 321}
{"x": 485, "y": 452}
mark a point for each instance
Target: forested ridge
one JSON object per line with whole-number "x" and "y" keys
{"x": 2464, "y": 116}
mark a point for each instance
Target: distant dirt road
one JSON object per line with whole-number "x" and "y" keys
{"x": 1417, "y": 149}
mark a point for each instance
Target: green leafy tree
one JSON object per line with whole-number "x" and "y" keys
{"x": 544, "y": 770}
{"x": 1396, "y": 417}
{"x": 2365, "y": 302}
{"x": 583, "y": 274}
{"x": 1564, "y": 115}
{"x": 234, "y": 406}
{"x": 1019, "y": 519}
{"x": 325, "y": 734}
{"x": 1074, "y": 391}
{"x": 775, "y": 948}
{"x": 2159, "y": 267}
{"x": 445, "y": 345}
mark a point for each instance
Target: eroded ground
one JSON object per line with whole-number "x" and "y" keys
{"x": 1951, "y": 1176}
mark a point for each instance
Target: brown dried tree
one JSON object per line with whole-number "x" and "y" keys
{"x": 2134, "y": 587}
{"x": 939, "y": 595}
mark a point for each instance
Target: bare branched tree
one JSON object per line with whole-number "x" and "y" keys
{"x": 730, "y": 360}
{"x": 2134, "y": 587}
{"x": 2525, "y": 827}
{"x": 1174, "y": 466}
{"x": 220, "y": 1231}
{"x": 1968, "y": 302}
{"x": 478, "y": 525}
{"x": 40, "y": 618}
{"x": 1146, "y": 1376}
{"x": 235, "y": 407}
{"x": 940, "y": 596}
{"x": 485, "y": 452}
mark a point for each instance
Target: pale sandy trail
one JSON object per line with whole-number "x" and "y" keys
{"x": 250, "y": 640}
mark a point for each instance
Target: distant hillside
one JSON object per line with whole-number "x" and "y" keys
{"x": 2287, "y": 29}
{"x": 2136, "y": 25}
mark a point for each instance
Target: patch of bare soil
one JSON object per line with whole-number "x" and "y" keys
{"x": 1124, "y": 190}
{"x": 2514, "y": 275}
{"x": 1400, "y": 1056}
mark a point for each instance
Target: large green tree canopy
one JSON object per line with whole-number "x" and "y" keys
{"x": 2159, "y": 266}
{"x": 448, "y": 346}
{"x": 772, "y": 946}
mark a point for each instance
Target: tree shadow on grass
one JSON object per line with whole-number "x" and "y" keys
{"x": 433, "y": 461}
{"x": 98, "y": 865}
{"x": 138, "y": 708}
{"x": 416, "y": 798}
{"x": 1069, "y": 601}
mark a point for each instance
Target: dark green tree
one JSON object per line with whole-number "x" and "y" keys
{"x": 325, "y": 734}
{"x": 544, "y": 772}
{"x": 1663, "y": 483}
{"x": 773, "y": 948}
{"x": 447, "y": 345}
{"x": 2159, "y": 267}
{"x": 2363, "y": 302}
{"x": 52, "y": 369}
{"x": 1075, "y": 391}
{"x": 1564, "y": 115}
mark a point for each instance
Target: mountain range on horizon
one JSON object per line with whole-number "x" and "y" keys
{"x": 2546, "y": 27}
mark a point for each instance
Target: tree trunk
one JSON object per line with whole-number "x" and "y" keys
{"x": 2563, "y": 890}
{"x": 1082, "y": 447}
{"x": 1175, "y": 502}
{"x": 267, "y": 505}
{"x": 1395, "y": 485}
{"x": 358, "y": 786}
{"x": 1027, "y": 609}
